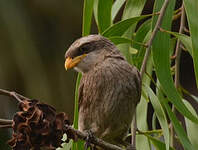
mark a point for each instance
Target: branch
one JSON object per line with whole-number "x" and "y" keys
{"x": 156, "y": 28}
{"x": 80, "y": 135}
{"x": 4, "y": 123}
{"x": 178, "y": 49}
{"x": 146, "y": 56}
{"x": 14, "y": 95}
{"x": 177, "y": 66}
{"x": 94, "y": 140}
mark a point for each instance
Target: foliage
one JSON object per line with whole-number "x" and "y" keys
{"x": 131, "y": 36}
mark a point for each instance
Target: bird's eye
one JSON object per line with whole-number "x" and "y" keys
{"x": 84, "y": 50}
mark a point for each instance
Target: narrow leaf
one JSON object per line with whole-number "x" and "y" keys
{"x": 142, "y": 142}
{"x": 185, "y": 39}
{"x": 104, "y": 14}
{"x": 159, "y": 111}
{"x": 191, "y": 127}
{"x": 121, "y": 27}
{"x": 141, "y": 33}
{"x": 95, "y": 11}
{"x": 178, "y": 128}
{"x": 133, "y": 8}
{"x": 158, "y": 144}
{"x": 87, "y": 16}
{"x": 161, "y": 57}
{"x": 191, "y": 8}
{"x": 116, "y": 7}
{"x": 119, "y": 40}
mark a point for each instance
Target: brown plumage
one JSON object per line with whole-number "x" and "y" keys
{"x": 109, "y": 90}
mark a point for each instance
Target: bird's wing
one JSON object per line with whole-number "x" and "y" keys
{"x": 80, "y": 93}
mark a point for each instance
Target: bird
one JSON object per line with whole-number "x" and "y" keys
{"x": 109, "y": 90}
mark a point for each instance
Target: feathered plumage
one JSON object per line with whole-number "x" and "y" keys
{"x": 109, "y": 90}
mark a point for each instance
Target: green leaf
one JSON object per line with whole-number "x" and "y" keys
{"x": 121, "y": 27}
{"x": 133, "y": 8}
{"x": 104, "y": 14}
{"x": 178, "y": 128}
{"x": 116, "y": 7}
{"x": 158, "y": 144}
{"x": 141, "y": 33}
{"x": 95, "y": 10}
{"x": 176, "y": 124}
{"x": 159, "y": 111}
{"x": 142, "y": 142}
{"x": 185, "y": 39}
{"x": 191, "y": 8}
{"x": 189, "y": 94}
{"x": 191, "y": 127}
{"x": 140, "y": 56}
{"x": 76, "y": 102}
{"x": 119, "y": 40}
{"x": 76, "y": 145}
{"x": 87, "y": 16}
{"x": 161, "y": 57}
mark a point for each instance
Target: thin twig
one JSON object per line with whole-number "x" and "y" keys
{"x": 5, "y": 122}
{"x": 177, "y": 66}
{"x": 14, "y": 95}
{"x": 178, "y": 49}
{"x": 155, "y": 30}
{"x": 133, "y": 130}
{"x": 139, "y": 43}
{"x": 6, "y": 126}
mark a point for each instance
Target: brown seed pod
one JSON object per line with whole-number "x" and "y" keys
{"x": 36, "y": 126}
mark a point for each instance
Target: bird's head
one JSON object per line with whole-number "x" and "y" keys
{"x": 88, "y": 51}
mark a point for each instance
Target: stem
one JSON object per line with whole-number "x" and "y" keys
{"x": 177, "y": 68}
{"x": 146, "y": 56}
{"x": 155, "y": 30}
{"x": 14, "y": 95}
{"x": 178, "y": 49}
{"x": 5, "y": 121}
{"x": 133, "y": 130}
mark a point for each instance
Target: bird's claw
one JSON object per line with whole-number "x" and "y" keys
{"x": 89, "y": 138}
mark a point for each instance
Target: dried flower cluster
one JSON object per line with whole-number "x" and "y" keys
{"x": 37, "y": 125}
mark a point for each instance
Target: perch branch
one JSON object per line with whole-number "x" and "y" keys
{"x": 4, "y": 123}
{"x": 95, "y": 141}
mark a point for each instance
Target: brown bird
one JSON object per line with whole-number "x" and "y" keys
{"x": 109, "y": 90}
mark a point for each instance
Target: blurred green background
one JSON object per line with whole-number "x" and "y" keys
{"x": 34, "y": 36}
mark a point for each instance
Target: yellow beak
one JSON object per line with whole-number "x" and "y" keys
{"x": 70, "y": 63}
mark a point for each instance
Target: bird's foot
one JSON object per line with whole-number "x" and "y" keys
{"x": 130, "y": 147}
{"x": 90, "y": 137}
